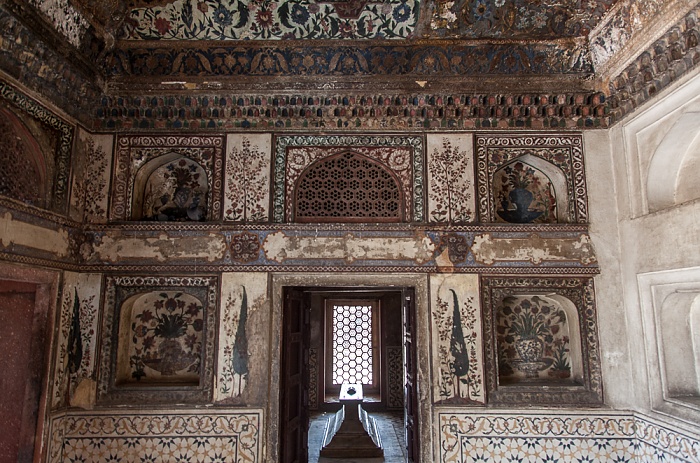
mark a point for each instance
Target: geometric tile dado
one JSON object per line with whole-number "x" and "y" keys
{"x": 192, "y": 436}
{"x": 532, "y": 437}
{"x": 581, "y": 437}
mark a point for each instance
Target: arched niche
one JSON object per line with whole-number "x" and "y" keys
{"x": 23, "y": 172}
{"x": 171, "y": 187}
{"x": 672, "y": 176}
{"x": 538, "y": 340}
{"x": 348, "y": 187}
{"x": 680, "y": 344}
{"x": 529, "y": 189}
{"x": 160, "y": 339}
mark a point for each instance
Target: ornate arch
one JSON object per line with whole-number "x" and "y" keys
{"x": 22, "y": 165}
{"x": 348, "y": 187}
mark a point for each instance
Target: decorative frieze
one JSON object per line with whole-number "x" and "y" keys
{"x": 675, "y": 54}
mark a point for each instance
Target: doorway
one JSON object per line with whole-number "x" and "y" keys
{"x": 341, "y": 334}
{"x": 26, "y": 298}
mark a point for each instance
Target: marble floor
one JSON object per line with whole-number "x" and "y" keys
{"x": 391, "y": 432}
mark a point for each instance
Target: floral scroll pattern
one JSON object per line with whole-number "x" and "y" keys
{"x": 273, "y": 20}
{"x": 517, "y": 18}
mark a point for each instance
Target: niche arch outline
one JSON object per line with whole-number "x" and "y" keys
{"x": 350, "y": 155}
{"x": 145, "y": 174}
{"x": 554, "y": 175}
{"x": 576, "y": 295}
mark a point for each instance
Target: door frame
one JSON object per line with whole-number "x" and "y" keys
{"x": 419, "y": 282}
{"x": 43, "y": 332}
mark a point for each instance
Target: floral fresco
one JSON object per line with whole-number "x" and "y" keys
{"x": 90, "y": 184}
{"x": 531, "y": 178}
{"x": 524, "y": 195}
{"x": 273, "y": 19}
{"x": 533, "y": 340}
{"x": 166, "y": 338}
{"x": 243, "y": 296}
{"x": 542, "y": 341}
{"x": 65, "y": 18}
{"x": 517, "y": 18}
{"x": 158, "y": 339}
{"x": 139, "y": 157}
{"x": 77, "y": 334}
{"x": 450, "y": 179}
{"x": 176, "y": 191}
{"x": 247, "y": 179}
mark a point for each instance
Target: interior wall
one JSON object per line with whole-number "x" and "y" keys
{"x": 659, "y": 257}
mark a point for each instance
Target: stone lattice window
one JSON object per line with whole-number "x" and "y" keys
{"x": 352, "y": 344}
{"x": 348, "y": 188}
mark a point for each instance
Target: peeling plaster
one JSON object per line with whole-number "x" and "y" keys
{"x": 278, "y": 247}
{"x": 535, "y": 249}
{"x": 114, "y": 249}
{"x": 19, "y": 233}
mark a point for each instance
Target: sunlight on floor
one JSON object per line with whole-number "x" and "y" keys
{"x": 391, "y": 430}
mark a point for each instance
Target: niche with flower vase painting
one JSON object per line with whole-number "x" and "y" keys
{"x": 526, "y": 192}
{"x": 159, "y": 341}
{"x": 541, "y": 345}
{"x": 531, "y": 178}
{"x": 171, "y": 188}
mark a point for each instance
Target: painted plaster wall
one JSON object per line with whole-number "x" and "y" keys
{"x": 245, "y": 402}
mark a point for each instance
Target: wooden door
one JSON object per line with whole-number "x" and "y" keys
{"x": 410, "y": 390}
{"x": 294, "y": 397}
{"x": 21, "y": 365}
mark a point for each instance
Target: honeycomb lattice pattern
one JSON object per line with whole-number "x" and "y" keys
{"x": 348, "y": 187}
{"x": 352, "y": 344}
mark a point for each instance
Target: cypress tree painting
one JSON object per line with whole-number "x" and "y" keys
{"x": 459, "y": 378}
{"x": 239, "y": 354}
{"x": 458, "y": 348}
{"x": 75, "y": 339}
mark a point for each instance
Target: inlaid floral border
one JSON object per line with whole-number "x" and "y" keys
{"x": 283, "y": 169}
{"x": 539, "y": 437}
{"x": 565, "y": 151}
